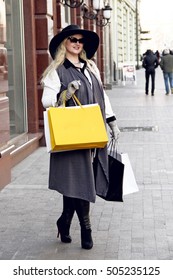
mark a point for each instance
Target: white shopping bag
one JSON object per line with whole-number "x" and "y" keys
{"x": 47, "y": 131}
{"x": 129, "y": 181}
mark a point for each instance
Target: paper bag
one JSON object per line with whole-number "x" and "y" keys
{"x": 129, "y": 181}
{"x": 75, "y": 127}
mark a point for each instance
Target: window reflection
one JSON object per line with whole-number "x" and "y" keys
{"x": 3, "y": 50}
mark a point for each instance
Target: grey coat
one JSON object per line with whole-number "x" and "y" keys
{"x": 71, "y": 173}
{"x": 166, "y": 63}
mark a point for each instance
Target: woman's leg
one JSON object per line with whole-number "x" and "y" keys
{"x": 64, "y": 222}
{"x": 82, "y": 208}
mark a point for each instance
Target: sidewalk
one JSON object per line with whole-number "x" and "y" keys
{"x": 139, "y": 228}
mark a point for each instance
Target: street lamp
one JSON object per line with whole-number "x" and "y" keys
{"x": 99, "y": 12}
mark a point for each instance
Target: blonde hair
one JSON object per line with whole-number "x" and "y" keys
{"x": 58, "y": 60}
{"x": 60, "y": 56}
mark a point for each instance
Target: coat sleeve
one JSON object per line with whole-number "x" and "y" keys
{"x": 110, "y": 116}
{"x": 51, "y": 87}
{"x": 144, "y": 63}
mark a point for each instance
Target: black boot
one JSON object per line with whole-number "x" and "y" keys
{"x": 64, "y": 222}
{"x": 86, "y": 239}
{"x": 82, "y": 209}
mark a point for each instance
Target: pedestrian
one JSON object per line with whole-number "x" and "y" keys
{"x": 166, "y": 65}
{"x": 150, "y": 63}
{"x": 157, "y": 53}
{"x": 71, "y": 173}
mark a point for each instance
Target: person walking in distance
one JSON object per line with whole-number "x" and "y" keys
{"x": 78, "y": 175}
{"x": 150, "y": 63}
{"x": 166, "y": 65}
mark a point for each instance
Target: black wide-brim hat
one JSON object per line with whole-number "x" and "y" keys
{"x": 91, "y": 40}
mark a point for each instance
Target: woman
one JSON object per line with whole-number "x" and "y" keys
{"x": 79, "y": 175}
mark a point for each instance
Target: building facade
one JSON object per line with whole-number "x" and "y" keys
{"x": 26, "y": 28}
{"x": 126, "y": 43}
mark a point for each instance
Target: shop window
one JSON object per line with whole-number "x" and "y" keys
{"x": 16, "y": 66}
{"x": 65, "y": 16}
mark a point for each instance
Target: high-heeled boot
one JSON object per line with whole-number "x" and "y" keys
{"x": 64, "y": 222}
{"x": 82, "y": 210}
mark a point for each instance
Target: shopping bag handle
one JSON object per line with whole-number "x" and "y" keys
{"x": 113, "y": 147}
{"x": 77, "y": 100}
{"x": 74, "y": 97}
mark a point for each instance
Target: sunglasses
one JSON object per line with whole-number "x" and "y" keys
{"x": 75, "y": 40}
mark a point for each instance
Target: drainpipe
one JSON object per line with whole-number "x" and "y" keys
{"x": 137, "y": 36}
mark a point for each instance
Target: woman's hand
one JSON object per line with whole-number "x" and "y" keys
{"x": 115, "y": 132}
{"x": 72, "y": 87}
{"x": 67, "y": 94}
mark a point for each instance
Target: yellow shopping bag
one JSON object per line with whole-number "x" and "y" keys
{"x": 76, "y": 127}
